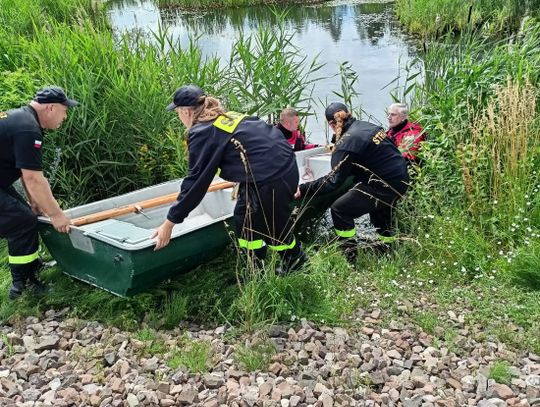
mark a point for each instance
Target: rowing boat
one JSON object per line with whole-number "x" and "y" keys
{"x": 116, "y": 252}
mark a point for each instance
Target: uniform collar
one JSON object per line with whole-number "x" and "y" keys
{"x": 34, "y": 113}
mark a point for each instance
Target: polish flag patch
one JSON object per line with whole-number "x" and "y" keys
{"x": 37, "y": 143}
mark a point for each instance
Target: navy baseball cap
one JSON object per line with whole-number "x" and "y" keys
{"x": 186, "y": 96}
{"x": 54, "y": 94}
{"x": 333, "y": 108}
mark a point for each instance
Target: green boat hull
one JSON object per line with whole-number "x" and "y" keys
{"x": 128, "y": 272}
{"x": 118, "y": 254}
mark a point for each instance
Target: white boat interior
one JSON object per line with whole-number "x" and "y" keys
{"x": 133, "y": 231}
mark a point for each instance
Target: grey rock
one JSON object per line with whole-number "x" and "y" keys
{"x": 303, "y": 357}
{"x": 265, "y": 389}
{"x": 481, "y": 385}
{"x": 294, "y": 401}
{"x": 47, "y": 342}
{"x": 213, "y": 380}
{"x": 188, "y": 395}
{"x": 48, "y": 397}
{"x": 498, "y": 402}
{"x": 151, "y": 365}
{"x": 29, "y": 343}
{"x": 501, "y": 391}
{"x": 31, "y": 394}
{"x": 485, "y": 403}
{"x": 394, "y": 354}
{"x": 164, "y": 387}
{"x": 327, "y": 400}
{"x": 132, "y": 400}
{"x": 278, "y": 331}
{"x": 110, "y": 358}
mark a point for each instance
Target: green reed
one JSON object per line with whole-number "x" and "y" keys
{"x": 212, "y": 4}
{"x": 433, "y": 18}
{"x": 117, "y": 140}
{"x": 267, "y": 72}
{"x": 121, "y": 138}
{"x": 24, "y": 17}
{"x": 481, "y": 174}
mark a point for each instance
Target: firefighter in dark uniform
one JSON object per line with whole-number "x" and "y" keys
{"x": 21, "y": 138}
{"x": 363, "y": 151}
{"x": 250, "y": 152}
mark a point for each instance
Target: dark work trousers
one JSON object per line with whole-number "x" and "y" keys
{"x": 263, "y": 216}
{"x": 18, "y": 224}
{"x": 374, "y": 198}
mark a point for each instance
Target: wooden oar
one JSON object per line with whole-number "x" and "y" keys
{"x": 139, "y": 206}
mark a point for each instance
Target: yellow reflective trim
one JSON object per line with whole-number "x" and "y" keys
{"x": 251, "y": 244}
{"x": 29, "y": 258}
{"x": 283, "y": 246}
{"x": 346, "y": 233}
{"x": 387, "y": 239}
{"x": 229, "y": 121}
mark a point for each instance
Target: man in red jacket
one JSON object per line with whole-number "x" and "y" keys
{"x": 288, "y": 124}
{"x": 406, "y": 136}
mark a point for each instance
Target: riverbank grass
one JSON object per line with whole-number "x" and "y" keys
{"x": 214, "y": 4}
{"x": 419, "y": 284}
{"x": 433, "y": 18}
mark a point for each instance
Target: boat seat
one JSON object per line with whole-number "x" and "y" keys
{"x": 120, "y": 231}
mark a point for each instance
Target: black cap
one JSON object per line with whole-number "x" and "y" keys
{"x": 54, "y": 94}
{"x": 188, "y": 95}
{"x": 333, "y": 108}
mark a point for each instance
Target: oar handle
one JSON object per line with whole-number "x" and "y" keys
{"x": 149, "y": 203}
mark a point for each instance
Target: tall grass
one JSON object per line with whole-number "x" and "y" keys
{"x": 25, "y": 17}
{"x": 497, "y": 161}
{"x": 460, "y": 87}
{"x": 120, "y": 138}
{"x": 436, "y": 17}
{"x": 211, "y": 4}
{"x": 267, "y": 72}
{"x": 479, "y": 106}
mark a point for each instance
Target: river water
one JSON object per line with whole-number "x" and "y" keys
{"x": 367, "y": 35}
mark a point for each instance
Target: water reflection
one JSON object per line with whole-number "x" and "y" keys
{"x": 367, "y": 35}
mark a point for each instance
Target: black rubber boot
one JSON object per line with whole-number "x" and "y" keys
{"x": 292, "y": 262}
{"x": 349, "y": 247}
{"x": 18, "y": 284}
{"x": 35, "y": 286}
{"x": 26, "y": 282}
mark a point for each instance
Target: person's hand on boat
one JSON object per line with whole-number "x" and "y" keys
{"x": 297, "y": 194}
{"x": 61, "y": 222}
{"x": 163, "y": 234}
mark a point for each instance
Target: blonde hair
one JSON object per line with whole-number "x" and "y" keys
{"x": 339, "y": 119}
{"x": 209, "y": 109}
